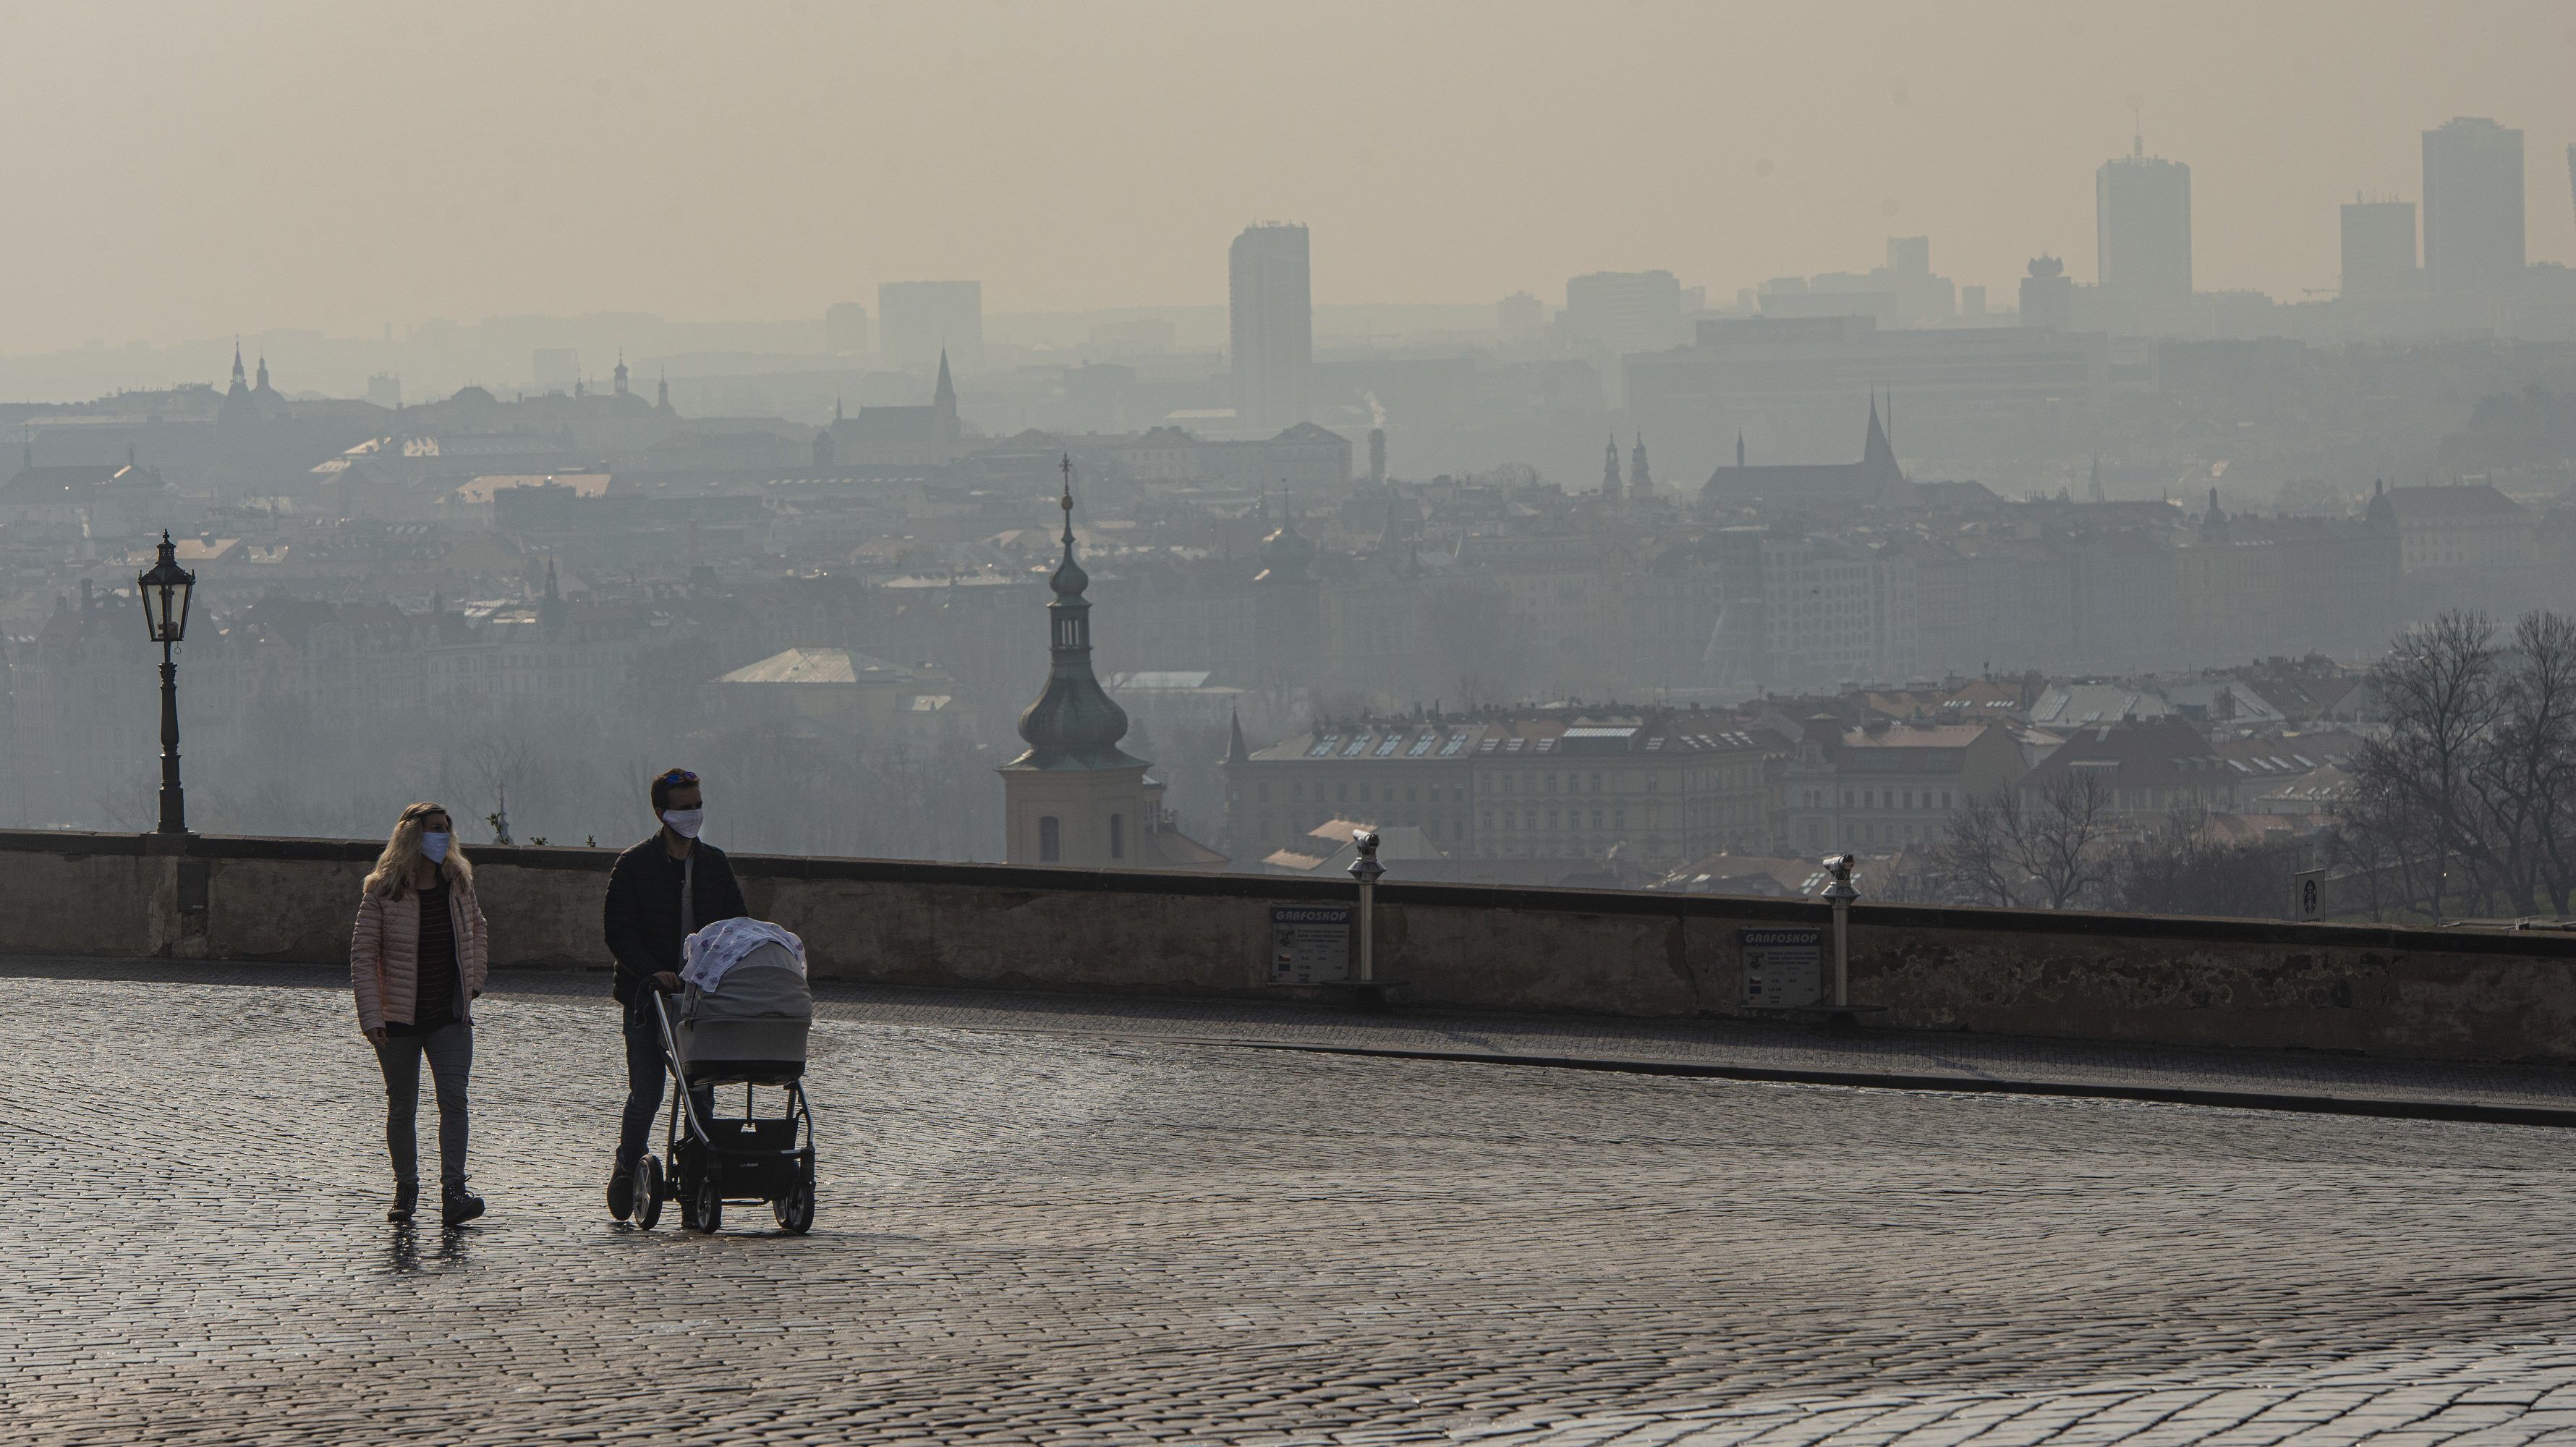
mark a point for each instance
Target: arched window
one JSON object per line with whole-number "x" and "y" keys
{"x": 1117, "y": 836}
{"x": 1050, "y": 840}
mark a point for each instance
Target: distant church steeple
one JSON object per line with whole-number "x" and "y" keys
{"x": 1073, "y": 724}
{"x": 620, "y": 374}
{"x": 240, "y": 383}
{"x": 1641, "y": 483}
{"x": 1076, "y": 798}
{"x": 663, "y": 401}
{"x": 262, "y": 385}
{"x": 2213, "y": 523}
{"x": 1878, "y": 455}
{"x": 1610, "y": 488}
{"x": 551, "y": 610}
{"x": 944, "y": 396}
{"x": 1739, "y": 451}
{"x": 2096, "y": 491}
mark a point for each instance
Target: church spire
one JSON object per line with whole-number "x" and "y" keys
{"x": 1235, "y": 751}
{"x": 1641, "y": 483}
{"x": 1074, "y": 725}
{"x": 944, "y": 396}
{"x": 620, "y": 374}
{"x": 1610, "y": 469}
{"x": 240, "y": 382}
{"x": 1878, "y": 456}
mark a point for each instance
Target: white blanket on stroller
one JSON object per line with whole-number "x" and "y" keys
{"x": 721, "y": 946}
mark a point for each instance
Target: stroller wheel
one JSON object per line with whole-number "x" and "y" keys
{"x": 648, "y": 1193}
{"x": 709, "y": 1212}
{"x": 795, "y": 1210}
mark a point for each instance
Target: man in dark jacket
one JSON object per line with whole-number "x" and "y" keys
{"x": 659, "y": 893}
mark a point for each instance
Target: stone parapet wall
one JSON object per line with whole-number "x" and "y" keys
{"x": 2423, "y": 993}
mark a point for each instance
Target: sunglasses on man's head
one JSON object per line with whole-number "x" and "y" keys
{"x": 677, "y": 776}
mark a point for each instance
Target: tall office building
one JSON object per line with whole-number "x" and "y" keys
{"x": 2473, "y": 206}
{"x": 1625, "y": 311}
{"x": 845, "y": 328}
{"x": 1520, "y": 317}
{"x": 2048, "y": 296}
{"x": 2142, "y": 231}
{"x": 918, "y": 320}
{"x": 2379, "y": 248}
{"x": 1271, "y": 308}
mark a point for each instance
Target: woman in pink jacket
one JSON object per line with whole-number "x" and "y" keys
{"x": 417, "y": 960}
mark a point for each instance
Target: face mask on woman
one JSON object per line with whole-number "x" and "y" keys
{"x": 433, "y": 847}
{"x": 684, "y": 822}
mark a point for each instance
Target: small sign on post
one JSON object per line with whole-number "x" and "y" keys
{"x": 2308, "y": 895}
{"x": 1310, "y": 944}
{"x": 1783, "y": 968}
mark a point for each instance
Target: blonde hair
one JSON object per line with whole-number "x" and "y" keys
{"x": 393, "y": 871}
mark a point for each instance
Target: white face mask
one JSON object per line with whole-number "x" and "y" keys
{"x": 433, "y": 847}
{"x": 684, "y": 822}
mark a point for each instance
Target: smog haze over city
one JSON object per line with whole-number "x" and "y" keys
{"x": 2063, "y": 455}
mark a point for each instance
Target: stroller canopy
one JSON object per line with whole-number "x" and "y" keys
{"x": 728, "y": 942}
{"x": 766, "y": 984}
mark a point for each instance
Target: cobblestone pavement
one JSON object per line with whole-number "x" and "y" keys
{"x": 1092, "y": 1236}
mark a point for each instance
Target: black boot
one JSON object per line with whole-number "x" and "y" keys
{"x": 621, "y": 1190}
{"x": 455, "y": 1207}
{"x": 406, "y": 1196}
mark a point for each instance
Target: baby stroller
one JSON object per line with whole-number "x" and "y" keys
{"x": 740, "y": 1019}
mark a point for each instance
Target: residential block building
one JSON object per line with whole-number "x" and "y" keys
{"x": 1660, "y": 785}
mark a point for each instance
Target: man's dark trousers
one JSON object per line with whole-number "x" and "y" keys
{"x": 644, "y": 1072}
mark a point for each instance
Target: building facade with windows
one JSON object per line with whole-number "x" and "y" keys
{"x": 1658, "y": 786}
{"x": 1878, "y": 788}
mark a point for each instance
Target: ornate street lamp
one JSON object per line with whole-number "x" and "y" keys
{"x": 165, "y": 592}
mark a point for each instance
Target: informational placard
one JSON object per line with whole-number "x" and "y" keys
{"x": 1783, "y": 968}
{"x": 1310, "y": 944}
{"x": 2308, "y": 894}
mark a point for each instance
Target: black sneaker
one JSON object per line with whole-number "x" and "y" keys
{"x": 621, "y": 1192}
{"x": 406, "y": 1196}
{"x": 455, "y": 1207}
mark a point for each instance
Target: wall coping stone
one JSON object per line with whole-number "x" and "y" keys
{"x": 2182, "y": 929}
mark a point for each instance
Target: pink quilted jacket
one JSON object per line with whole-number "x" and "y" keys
{"x": 384, "y": 952}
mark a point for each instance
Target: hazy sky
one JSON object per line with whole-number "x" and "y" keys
{"x": 178, "y": 171}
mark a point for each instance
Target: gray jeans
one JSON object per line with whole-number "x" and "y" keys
{"x": 450, "y": 1049}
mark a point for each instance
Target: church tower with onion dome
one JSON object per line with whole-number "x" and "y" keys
{"x": 1074, "y": 797}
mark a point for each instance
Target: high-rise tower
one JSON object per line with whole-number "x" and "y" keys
{"x": 2473, "y": 231}
{"x": 1271, "y": 312}
{"x": 2379, "y": 248}
{"x": 2142, "y": 231}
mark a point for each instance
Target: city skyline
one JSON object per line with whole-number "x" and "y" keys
{"x": 740, "y": 192}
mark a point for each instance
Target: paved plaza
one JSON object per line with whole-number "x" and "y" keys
{"x": 1059, "y": 1222}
